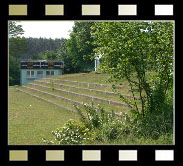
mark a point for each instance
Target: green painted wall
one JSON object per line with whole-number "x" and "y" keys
{"x": 24, "y": 79}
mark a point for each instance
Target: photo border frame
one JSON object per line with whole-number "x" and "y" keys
{"x": 146, "y": 154}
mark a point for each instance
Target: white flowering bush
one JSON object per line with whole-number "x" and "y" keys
{"x": 99, "y": 126}
{"x": 73, "y": 132}
{"x": 95, "y": 125}
{"x": 104, "y": 126}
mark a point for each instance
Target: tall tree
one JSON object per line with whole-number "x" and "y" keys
{"x": 79, "y": 46}
{"x": 50, "y": 55}
{"x": 17, "y": 45}
{"x": 62, "y": 54}
{"x": 133, "y": 48}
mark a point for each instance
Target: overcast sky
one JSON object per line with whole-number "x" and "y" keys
{"x": 46, "y": 29}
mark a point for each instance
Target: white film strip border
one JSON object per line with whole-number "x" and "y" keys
{"x": 91, "y": 155}
{"x": 161, "y": 10}
{"x": 92, "y": 10}
{"x": 164, "y": 155}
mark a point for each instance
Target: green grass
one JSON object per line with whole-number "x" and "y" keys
{"x": 81, "y": 99}
{"x": 83, "y": 91}
{"x": 132, "y": 140}
{"x": 31, "y": 119}
{"x": 94, "y": 78}
{"x": 55, "y": 100}
{"x": 91, "y": 77}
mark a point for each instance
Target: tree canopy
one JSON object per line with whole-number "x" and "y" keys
{"x": 79, "y": 46}
{"x": 130, "y": 48}
{"x": 17, "y": 45}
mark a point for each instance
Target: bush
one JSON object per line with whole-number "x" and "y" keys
{"x": 155, "y": 124}
{"x": 73, "y": 132}
{"x": 104, "y": 125}
{"x": 97, "y": 126}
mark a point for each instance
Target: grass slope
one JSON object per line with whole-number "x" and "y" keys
{"x": 31, "y": 119}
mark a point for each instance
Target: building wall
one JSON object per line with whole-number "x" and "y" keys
{"x": 25, "y": 80}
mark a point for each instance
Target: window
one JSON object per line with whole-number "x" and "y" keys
{"x": 30, "y": 74}
{"x": 50, "y": 73}
{"x": 47, "y": 73}
{"x": 40, "y": 73}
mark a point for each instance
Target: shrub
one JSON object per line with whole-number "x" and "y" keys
{"x": 105, "y": 126}
{"x": 99, "y": 126}
{"x": 155, "y": 124}
{"x": 96, "y": 125}
{"x": 73, "y": 132}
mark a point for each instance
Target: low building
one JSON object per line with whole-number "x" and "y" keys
{"x": 31, "y": 70}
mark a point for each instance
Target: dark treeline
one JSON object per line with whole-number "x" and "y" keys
{"x": 40, "y": 45}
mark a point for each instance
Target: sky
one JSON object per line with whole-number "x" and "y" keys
{"x": 46, "y": 29}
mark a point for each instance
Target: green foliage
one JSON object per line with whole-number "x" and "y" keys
{"x": 50, "y": 55}
{"x": 14, "y": 72}
{"x": 37, "y": 47}
{"x": 143, "y": 50}
{"x": 14, "y": 29}
{"x": 62, "y": 54}
{"x": 153, "y": 125}
{"x": 97, "y": 126}
{"x": 80, "y": 48}
{"x": 73, "y": 132}
{"x": 94, "y": 126}
{"x": 38, "y": 56}
{"x": 17, "y": 45}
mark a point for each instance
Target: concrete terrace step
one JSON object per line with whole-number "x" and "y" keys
{"x": 81, "y": 100}
{"x": 54, "y": 96}
{"x": 86, "y": 89}
{"x": 92, "y": 98}
{"x": 46, "y": 100}
{"x": 51, "y": 102}
{"x": 83, "y": 83}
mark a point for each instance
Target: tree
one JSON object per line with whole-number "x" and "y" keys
{"x": 17, "y": 46}
{"x": 15, "y": 30}
{"x": 133, "y": 49}
{"x": 62, "y": 54}
{"x": 79, "y": 47}
{"x": 38, "y": 56}
{"x": 50, "y": 55}
{"x": 36, "y": 46}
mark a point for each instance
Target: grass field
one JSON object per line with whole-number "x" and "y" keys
{"x": 31, "y": 119}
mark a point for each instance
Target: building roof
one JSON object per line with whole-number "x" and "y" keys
{"x": 41, "y": 64}
{"x": 41, "y": 60}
